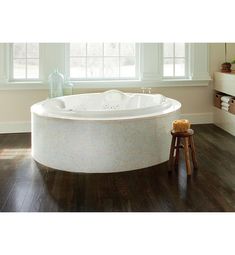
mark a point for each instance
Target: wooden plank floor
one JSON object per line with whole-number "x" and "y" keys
{"x": 25, "y": 186}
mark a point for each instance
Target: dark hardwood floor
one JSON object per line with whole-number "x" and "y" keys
{"x": 26, "y": 186}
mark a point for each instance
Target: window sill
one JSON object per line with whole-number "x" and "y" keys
{"x": 22, "y": 85}
{"x": 138, "y": 83}
{"x": 39, "y": 85}
{"x": 184, "y": 83}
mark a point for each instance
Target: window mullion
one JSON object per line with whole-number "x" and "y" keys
{"x": 26, "y": 61}
{"x": 86, "y": 60}
{"x": 68, "y": 59}
{"x": 119, "y": 60}
{"x": 174, "y": 60}
{"x": 186, "y": 60}
{"x": 11, "y": 61}
{"x": 103, "y": 59}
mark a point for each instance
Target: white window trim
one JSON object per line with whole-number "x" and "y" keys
{"x": 13, "y": 80}
{"x": 53, "y": 55}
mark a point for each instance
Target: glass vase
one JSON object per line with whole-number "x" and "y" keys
{"x": 56, "y": 84}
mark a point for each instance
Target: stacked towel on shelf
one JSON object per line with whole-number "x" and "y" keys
{"x": 225, "y": 108}
{"x": 225, "y": 99}
{"x": 225, "y": 102}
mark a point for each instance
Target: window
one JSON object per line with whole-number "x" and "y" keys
{"x": 24, "y": 61}
{"x": 104, "y": 65}
{"x": 102, "y": 61}
{"x": 174, "y": 60}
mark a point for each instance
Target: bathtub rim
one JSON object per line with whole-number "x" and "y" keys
{"x": 175, "y": 106}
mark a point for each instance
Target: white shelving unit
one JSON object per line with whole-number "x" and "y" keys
{"x": 225, "y": 82}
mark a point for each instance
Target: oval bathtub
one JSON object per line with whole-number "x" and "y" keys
{"x": 103, "y": 132}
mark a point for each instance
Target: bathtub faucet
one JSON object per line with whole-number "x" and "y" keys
{"x": 146, "y": 90}
{"x": 143, "y": 90}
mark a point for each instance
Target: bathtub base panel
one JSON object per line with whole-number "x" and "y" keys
{"x": 101, "y": 146}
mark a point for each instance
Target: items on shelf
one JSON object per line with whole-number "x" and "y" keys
{"x": 217, "y": 99}
{"x": 224, "y": 102}
{"x": 232, "y": 106}
{"x": 226, "y": 67}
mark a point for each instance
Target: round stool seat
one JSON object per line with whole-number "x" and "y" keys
{"x": 188, "y": 133}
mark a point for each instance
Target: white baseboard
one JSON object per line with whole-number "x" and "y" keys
{"x": 25, "y": 126}
{"x": 199, "y": 118}
{"x": 15, "y": 127}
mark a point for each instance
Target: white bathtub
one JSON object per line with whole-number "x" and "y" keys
{"x": 103, "y": 132}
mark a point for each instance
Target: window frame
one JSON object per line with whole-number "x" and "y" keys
{"x": 52, "y": 55}
{"x": 103, "y": 79}
{"x": 11, "y": 66}
{"x": 187, "y": 64}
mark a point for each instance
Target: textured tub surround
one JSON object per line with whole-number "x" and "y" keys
{"x": 103, "y": 132}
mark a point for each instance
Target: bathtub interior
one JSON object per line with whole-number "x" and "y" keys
{"x": 111, "y": 100}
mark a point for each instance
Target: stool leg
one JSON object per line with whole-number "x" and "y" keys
{"x": 195, "y": 165}
{"x": 186, "y": 153}
{"x": 172, "y": 150}
{"x": 176, "y": 163}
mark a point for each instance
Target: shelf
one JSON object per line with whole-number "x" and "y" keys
{"x": 224, "y": 120}
{"x": 225, "y": 82}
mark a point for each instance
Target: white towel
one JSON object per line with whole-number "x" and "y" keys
{"x": 224, "y": 108}
{"x": 225, "y": 99}
{"x": 224, "y": 104}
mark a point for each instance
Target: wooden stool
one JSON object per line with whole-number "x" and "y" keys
{"x": 188, "y": 142}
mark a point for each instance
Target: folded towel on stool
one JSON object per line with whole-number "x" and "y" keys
{"x": 225, "y": 99}
{"x": 225, "y": 104}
